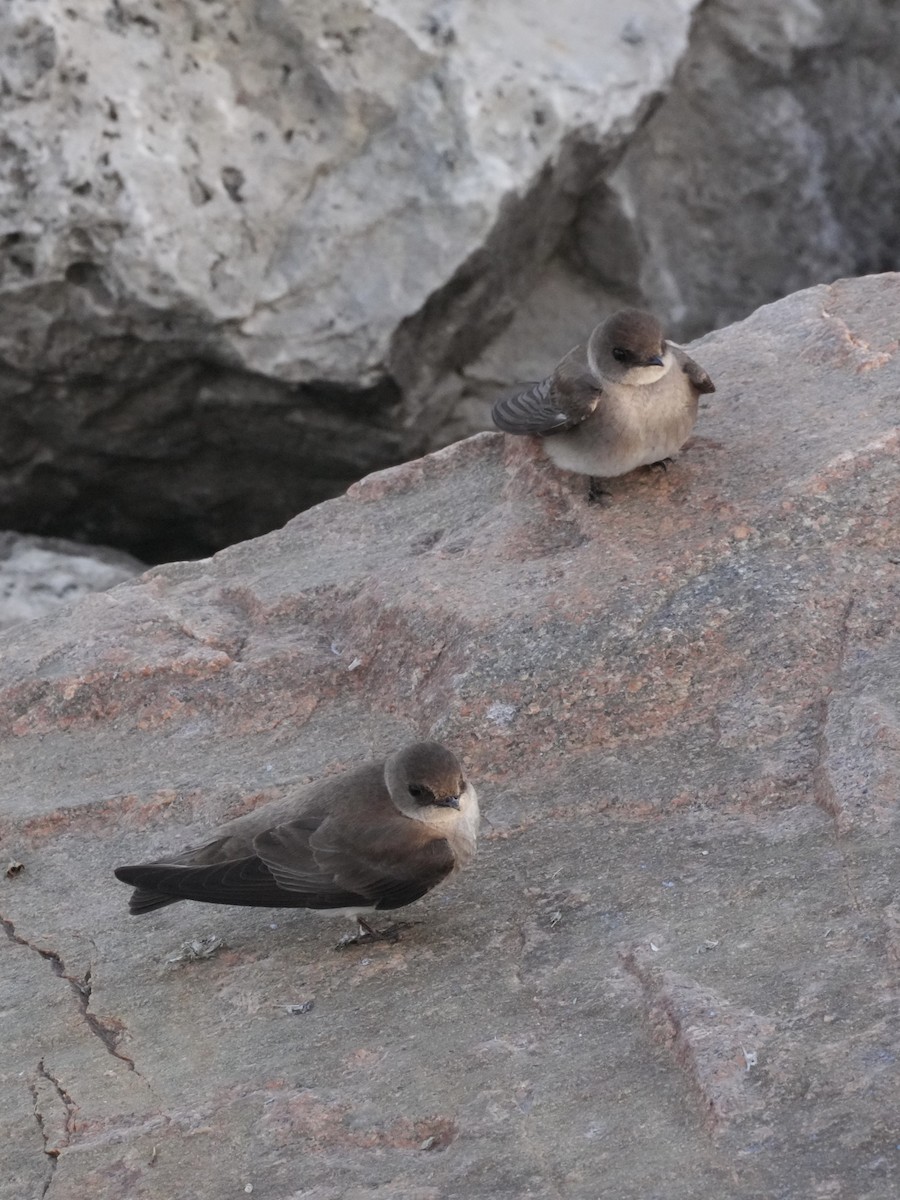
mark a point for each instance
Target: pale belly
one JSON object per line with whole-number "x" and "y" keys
{"x": 627, "y": 434}
{"x": 352, "y": 913}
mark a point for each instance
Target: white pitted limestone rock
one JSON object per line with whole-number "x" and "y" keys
{"x": 292, "y": 180}
{"x": 40, "y": 576}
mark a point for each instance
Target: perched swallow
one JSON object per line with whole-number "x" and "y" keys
{"x": 626, "y": 399}
{"x": 378, "y": 837}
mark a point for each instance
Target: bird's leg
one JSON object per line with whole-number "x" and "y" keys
{"x": 596, "y": 492}
{"x": 368, "y": 933}
{"x": 364, "y": 933}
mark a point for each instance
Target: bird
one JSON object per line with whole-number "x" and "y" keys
{"x": 376, "y": 837}
{"x": 624, "y": 399}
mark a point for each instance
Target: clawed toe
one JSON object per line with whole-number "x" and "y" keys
{"x": 368, "y": 933}
{"x": 663, "y": 464}
{"x": 351, "y": 939}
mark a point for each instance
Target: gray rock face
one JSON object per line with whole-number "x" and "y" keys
{"x": 770, "y": 164}
{"x": 673, "y": 967}
{"x": 247, "y": 249}
{"x": 39, "y": 576}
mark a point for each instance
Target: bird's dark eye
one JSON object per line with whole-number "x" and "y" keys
{"x": 416, "y": 792}
{"x": 620, "y": 355}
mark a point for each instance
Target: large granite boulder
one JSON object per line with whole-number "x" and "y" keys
{"x": 248, "y": 249}
{"x": 672, "y": 970}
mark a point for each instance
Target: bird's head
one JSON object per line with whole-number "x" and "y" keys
{"x": 425, "y": 780}
{"x": 629, "y": 347}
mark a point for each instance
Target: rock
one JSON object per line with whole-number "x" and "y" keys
{"x": 761, "y": 171}
{"x": 242, "y": 242}
{"x": 39, "y": 576}
{"x": 673, "y": 966}
{"x": 250, "y": 252}
{"x": 764, "y": 165}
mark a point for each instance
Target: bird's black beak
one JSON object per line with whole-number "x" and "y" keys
{"x": 655, "y": 361}
{"x": 448, "y": 802}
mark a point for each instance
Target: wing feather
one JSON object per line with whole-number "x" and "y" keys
{"x": 695, "y": 373}
{"x": 246, "y": 881}
{"x": 384, "y": 865}
{"x": 560, "y": 402}
{"x": 305, "y": 863}
{"x": 531, "y": 411}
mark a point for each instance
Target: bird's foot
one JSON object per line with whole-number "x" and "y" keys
{"x": 368, "y": 933}
{"x": 597, "y": 494}
{"x": 662, "y": 465}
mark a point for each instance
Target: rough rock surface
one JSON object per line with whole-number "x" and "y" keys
{"x": 38, "y": 576}
{"x": 237, "y": 235}
{"x": 246, "y": 249}
{"x": 672, "y": 971}
{"x": 761, "y": 171}
{"x": 764, "y": 164}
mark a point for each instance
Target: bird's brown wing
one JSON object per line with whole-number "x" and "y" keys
{"x": 531, "y": 411}
{"x": 308, "y": 862}
{"x": 388, "y": 865}
{"x": 203, "y": 874}
{"x": 245, "y": 881}
{"x": 557, "y": 403}
{"x": 695, "y": 373}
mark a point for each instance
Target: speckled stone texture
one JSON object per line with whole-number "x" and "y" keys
{"x": 672, "y": 971}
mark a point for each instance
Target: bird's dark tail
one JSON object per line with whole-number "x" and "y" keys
{"x": 143, "y": 899}
{"x": 143, "y": 902}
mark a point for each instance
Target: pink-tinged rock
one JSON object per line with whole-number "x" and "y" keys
{"x": 672, "y": 970}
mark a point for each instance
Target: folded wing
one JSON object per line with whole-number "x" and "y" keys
{"x": 695, "y": 373}
{"x": 533, "y": 411}
{"x": 305, "y": 863}
{"x": 555, "y": 404}
{"x": 389, "y": 865}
